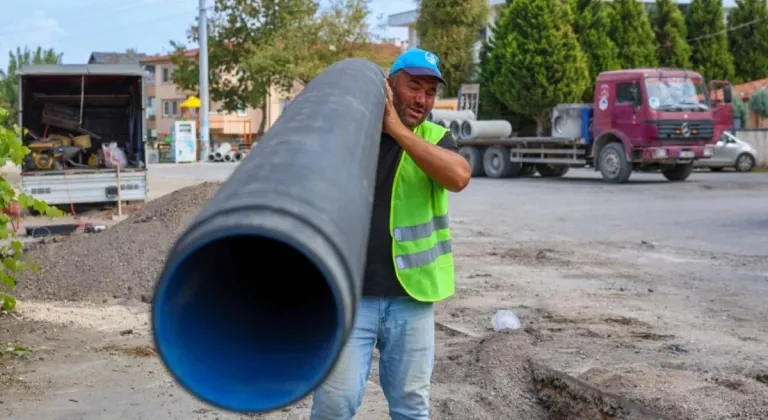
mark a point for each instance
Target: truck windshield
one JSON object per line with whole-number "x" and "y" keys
{"x": 676, "y": 94}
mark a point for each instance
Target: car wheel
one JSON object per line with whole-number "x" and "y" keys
{"x": 745, "y": 162}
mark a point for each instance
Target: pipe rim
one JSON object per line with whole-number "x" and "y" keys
{"x": 313, "y": 242}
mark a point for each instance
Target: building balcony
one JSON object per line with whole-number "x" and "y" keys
{"x": 231, "y": 124}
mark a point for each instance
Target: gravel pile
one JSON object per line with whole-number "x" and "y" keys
{"x": 487, "y": 379}
{"x": 122, "y": 262}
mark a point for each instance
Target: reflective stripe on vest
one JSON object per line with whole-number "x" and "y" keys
{"x": 425, "y": 230}
{"x": 424, "y": 257}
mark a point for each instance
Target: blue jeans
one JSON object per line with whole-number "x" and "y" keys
{"x": 403, "y": 331}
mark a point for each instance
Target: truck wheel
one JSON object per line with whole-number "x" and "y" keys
{"x": 614, "y": 166}
{"x": 474, "y": 156}
{"x": 744, "y": 162}
{"x": 551, "y": 171}
{"x": 497, "y": 164}
{"x": 678, "y": 172}
{"x": 527, "y": 170}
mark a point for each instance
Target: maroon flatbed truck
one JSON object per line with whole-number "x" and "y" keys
{"x": 645, "y": 120}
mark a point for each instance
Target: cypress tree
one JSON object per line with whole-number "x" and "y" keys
{"x": 709, "y": 43}
{"x": 592, "y": 25}
{"x": 633, "y": 35}
{"x": 668, "y": 24}
{"x": 535, "y": 61}
{"x": 450, "y": 28}
{"x": 749, "y": 40}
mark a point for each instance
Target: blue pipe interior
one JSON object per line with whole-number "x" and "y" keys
{"x": 247, "y": 323}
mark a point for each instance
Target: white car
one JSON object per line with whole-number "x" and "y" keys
{"x": 730, "y": 152}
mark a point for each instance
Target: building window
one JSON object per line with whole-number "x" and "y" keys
{"x": 242, "y": 112}
{"x": 171, "y": 108}
{"x": 150, "y": 69}
{"x": 166, "y": 75}
{"x": 150, "y": 106}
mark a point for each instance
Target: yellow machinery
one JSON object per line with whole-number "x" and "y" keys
{"x": 44, "y": 154}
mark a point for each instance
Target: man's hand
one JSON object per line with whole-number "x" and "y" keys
{"x": 392, "y": 122}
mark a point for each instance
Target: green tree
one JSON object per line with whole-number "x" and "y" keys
{"x": 534, "y": 60}
{"x": 449, "y": 28}
{"x": 238, "y": 29}
{"x": 491, "y": 108}
{"x": 257, "y": 45}
{"x": 668, "y": 24}
{"x": 633, "y": 35}
{"x": 749, "y": 40}
{"x": 741, "y": 111}
{"x": 592, "y": 24}
{"x": 758, "y": 103}
{"x": 12, "y": 150}
{"x": 709, "y": 43}
{"x": 9, "y": 85}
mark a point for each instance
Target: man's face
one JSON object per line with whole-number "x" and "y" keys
{"x": 413, "y": 97}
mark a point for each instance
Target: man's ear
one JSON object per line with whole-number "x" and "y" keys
{"x": 389, "y": 80}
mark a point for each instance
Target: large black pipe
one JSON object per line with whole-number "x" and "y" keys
{"x": 258, "y": 295}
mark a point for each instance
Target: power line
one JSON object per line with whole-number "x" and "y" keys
{"x": 727, "y": 30}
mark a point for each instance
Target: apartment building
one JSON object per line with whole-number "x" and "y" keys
{"x": 164, "y": 101}
{"x": 408, "y": 20}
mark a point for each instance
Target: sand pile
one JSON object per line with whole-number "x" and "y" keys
{"x": 122, "y": 262}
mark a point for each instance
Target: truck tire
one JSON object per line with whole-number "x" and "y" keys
{"x": 614, "y": 165}
{"x": 678, "y": 172}
{"x": 527, "y": 170}
{"x": 551, "y": 171}
{"x": 474, "y": 156}
{"x": 497, "y": 164}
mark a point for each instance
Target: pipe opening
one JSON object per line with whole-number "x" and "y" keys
{"x": 248, "y": 323}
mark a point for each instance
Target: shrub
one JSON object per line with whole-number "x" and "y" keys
{"x": 13, "y": 204}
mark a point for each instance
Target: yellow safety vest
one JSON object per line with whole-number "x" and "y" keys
{"x": 418, "y": 223}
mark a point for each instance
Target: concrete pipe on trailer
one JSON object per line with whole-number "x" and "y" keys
{"x": 489, "y": 129}
{"x": 258, "y": 296}
{"x": 455, "y": 127}
{"x": 449, "y": 115}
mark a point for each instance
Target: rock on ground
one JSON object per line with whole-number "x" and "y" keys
{"x": 122, "y": 262}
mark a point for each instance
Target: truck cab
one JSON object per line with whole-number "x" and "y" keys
{"x": 655, "y": 119}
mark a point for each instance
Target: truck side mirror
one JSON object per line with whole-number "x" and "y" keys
{"x": 727, "y": 94}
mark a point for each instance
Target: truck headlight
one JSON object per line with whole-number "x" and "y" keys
{"x": 659, "y": 153}
{"x": 709, "y": 151}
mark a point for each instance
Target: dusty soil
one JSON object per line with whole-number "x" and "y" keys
{"x": 613, "y": 326}
{"x": 121, "y": 262}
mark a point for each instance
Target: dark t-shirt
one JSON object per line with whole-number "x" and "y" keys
{"x": 380, "y": 279}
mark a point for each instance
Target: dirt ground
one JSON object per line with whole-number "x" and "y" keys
{"x": 642, "y": 301}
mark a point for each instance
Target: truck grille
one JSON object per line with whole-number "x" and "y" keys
{"x": 685, "y": 129}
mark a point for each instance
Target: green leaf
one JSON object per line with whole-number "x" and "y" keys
{"x": 7, "y": 302}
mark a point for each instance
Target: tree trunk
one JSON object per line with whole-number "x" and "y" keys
{"x": 541, "y": 119}
{"x": 264, "y": 116}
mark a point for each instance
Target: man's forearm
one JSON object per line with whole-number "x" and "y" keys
{"x": 445, "y": 167}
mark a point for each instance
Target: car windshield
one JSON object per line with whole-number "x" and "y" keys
{"x": 676, "y": 94}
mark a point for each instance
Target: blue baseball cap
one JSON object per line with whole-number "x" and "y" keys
{"x": 418, "y": 62}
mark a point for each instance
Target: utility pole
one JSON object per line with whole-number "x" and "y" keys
{"x": 205, "y": 139}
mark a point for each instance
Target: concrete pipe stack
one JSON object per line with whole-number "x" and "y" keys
{"x": 221, "y": 152}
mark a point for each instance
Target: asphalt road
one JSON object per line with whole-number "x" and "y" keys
{"x": 717, "y": 212}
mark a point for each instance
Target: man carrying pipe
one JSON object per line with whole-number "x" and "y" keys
{"x": 409, "y": 263}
